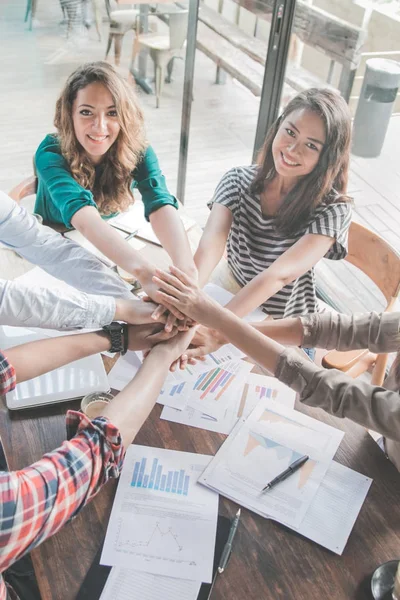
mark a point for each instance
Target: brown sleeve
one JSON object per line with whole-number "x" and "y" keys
{"x": 330, "y": 330}
{"x": 338, "y": 394}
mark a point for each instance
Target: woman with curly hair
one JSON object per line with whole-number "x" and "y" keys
{"x": 88, "y": 169}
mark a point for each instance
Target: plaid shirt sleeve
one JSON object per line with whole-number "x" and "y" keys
{"x": 7, "y": 375}
{"x": 38, "y": 500}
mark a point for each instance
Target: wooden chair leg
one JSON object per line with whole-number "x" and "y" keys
{"x": 220, "y": 76}
{"x": 118, "y": 47}
{"x": 159, "y": 82}
{"x": 97, "y": 17}
{"x": 170, "y": 67}
{"x": 135, "y": 50}
{"x": 109, "y": 44}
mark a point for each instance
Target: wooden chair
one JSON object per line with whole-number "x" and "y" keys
{"x": 122, "y": 21}
{"x": 381, "y": 263}
{"x": 164, "y": 47}
{"x": 27, "y": 187}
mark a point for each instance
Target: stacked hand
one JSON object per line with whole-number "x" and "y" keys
{"x": 179, "y": 291}
{"x": 179, "y": 294}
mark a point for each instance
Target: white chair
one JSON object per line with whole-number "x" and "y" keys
{"x": 121, "y": 21}
{"x": 164, "y": 47}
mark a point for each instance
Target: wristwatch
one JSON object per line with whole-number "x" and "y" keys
{"x": 118, "y": 334}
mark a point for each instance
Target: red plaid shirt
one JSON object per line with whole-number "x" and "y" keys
{"x": 38, "y": 500}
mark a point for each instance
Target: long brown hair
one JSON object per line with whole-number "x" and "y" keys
{"x": 111, "y": 184}
{"x": 328, "y": 180}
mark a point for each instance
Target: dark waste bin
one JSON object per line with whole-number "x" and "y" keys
{"x": 375, "y": 106}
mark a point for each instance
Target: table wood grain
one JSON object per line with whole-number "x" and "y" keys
{"x": 269, "y": 561}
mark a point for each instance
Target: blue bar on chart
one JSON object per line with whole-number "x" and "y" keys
{"x": 141, "y": 472}
{"x": 180, "y": 482}
{"x": 175, "y": 482}
{"x": 186, "y": 485}
{"x": 171, "y": 482}
{"x": 158, "y": 477}
{"x": 153, "y": 473}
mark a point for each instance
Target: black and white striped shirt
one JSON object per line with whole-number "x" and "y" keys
{"x": 254, "y": 242}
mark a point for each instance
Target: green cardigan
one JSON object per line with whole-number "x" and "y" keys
{"x": 59, "y": 196}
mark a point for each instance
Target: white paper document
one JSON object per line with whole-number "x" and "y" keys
{"x": 77, "y": 237}
{"x": 262, "y": 447}
{"x": 222, "y": 296}
{"x": 162, "y": 521}
{"x": 124, "y": 370}
{"x": 335, "y": 507}
{"x": 240, "y": 405}
{"x": 125, "y": 584}
{"x": 133, "y": 219}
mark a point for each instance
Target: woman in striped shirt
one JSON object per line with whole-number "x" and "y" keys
{"x": 282, "y": 215}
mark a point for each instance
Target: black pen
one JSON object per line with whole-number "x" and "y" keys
{"x": 226, "y": 552}
{"x": 287, "y": 472}
{"x": 228, "y": 546}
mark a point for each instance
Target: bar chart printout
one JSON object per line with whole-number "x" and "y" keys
{"x": 156, "y": 477}
{"x": 162, "y": 521}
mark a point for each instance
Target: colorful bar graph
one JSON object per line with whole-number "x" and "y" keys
{"x": 172, "y": 482}
{"x": 214, "y": 380}
{"x": 266, "y": 392}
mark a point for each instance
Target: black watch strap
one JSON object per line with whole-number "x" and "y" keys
{"x": 118, "y": 334}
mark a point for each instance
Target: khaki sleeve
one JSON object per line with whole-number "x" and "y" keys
{"x": 334, "y": 331}
{"x": 338, "y": 394}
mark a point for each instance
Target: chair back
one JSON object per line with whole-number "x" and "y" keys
{"x": 177, "y": 29}
{"x": 377, "y": 259}
{"x": 381, "y": 263}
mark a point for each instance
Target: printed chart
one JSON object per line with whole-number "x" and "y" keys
{"x": 172, "y": 482}
{"x": 162, "y": 521}
{"x": 263, "y": 446}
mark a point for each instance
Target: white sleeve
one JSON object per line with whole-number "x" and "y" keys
{"x": 23, "y": 306}
{"x": 60, "y": 257}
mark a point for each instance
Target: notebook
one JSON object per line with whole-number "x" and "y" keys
{"x": 72, "y": 381}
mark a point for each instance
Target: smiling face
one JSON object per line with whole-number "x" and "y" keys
{"x": 298, "y": 144}
{"x": 95, "y": 120}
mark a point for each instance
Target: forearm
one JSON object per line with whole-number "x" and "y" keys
{"x": 256, "y": 292}
{"x": 252, "y": 342}
{"x": 22, "y": 306}
{"x": 110, "y": 243}
{"x": 171, "y": 232}
{"x": 131, "y": 407}
{"x": 35, "y": 358}
{"x": 288, "y": 332}
{"x": 208, "y": 255}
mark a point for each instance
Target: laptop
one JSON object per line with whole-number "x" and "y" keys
{"x": 70, "y": 382}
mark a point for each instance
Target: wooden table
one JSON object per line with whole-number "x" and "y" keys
{"x": 270, "y": 562}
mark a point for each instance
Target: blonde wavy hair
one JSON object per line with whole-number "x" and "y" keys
{"x": 111, "y": 184}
